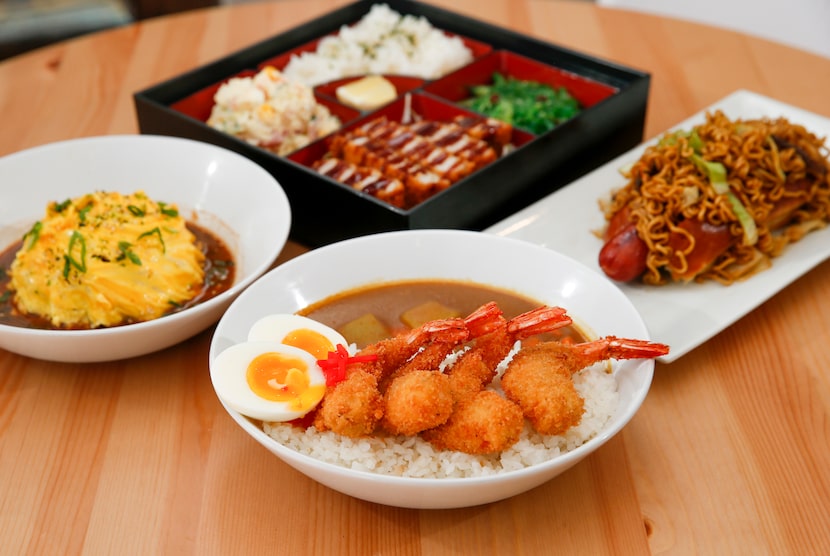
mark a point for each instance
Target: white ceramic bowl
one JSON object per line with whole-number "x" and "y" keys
{"x": 594, "y": 302}
{"x": 220, "y": 190}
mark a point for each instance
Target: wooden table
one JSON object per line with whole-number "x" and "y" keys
{"x": 730, "y": 453}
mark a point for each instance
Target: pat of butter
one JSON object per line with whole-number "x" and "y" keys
{"x": 367, "y": 93}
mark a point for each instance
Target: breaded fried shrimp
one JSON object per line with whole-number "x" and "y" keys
{"x": 352, "y": 407}
{"x": 539, "y": 378}
{"x": 341, "y": 411}
{"x": 469, "y": 375}
{"x": 417, "y": 396}
{"x": 539, "y": 382}
{"x": 417, "y": 401}
{"x": 484, "y": 423}
{"x": 476, "y": 367}
{"x": 481, "y": 321}
{"x": 396, "y": 351}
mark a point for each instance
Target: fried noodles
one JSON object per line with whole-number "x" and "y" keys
{"x": 778, "y": 171}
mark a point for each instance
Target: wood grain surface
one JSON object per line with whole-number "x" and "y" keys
{"x": 729, "y": 454}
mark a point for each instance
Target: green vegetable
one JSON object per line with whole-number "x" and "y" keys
{"x": 695, "y": 142}
{"x": 776, "y": 159}
{"x": 31, "y": 237}
{"x": 82, "y": 213}
{"x": 746, "y": 220}
{"x": 167, "y": 211}
{"x": 529, "y": 105}
{"x": 126, "y": 252}
{"x": 716, "y": 172}
{"x": 692, "y": 137}
{"x": 69, "y": 261}
{"x": 60, "y": 207}
{"x": 157, "y": 232}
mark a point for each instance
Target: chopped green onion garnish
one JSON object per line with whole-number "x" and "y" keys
{"x": 83, "y": 211}
{"x": 155, "y": 231}
{"x": 60, "y": 207}
{"x": 70, "y": 260}
{"x": 127, "y": 252}
{"x": 168, "y": 211}
{"x": 31, "y": 237}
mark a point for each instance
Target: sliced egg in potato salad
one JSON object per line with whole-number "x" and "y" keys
{"x": 274, "y": 376}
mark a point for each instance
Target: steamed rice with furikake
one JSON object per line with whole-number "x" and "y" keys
{"x": 415, "y": 457}
{"x": 382, "y": 42}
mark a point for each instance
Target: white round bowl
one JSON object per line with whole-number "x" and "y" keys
{"x": 595, "y": 303}
{"x": 223, "y": 192}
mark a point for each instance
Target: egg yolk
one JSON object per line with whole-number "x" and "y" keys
{"x": 308, "y": 340}
{"x": 282, "y": 378}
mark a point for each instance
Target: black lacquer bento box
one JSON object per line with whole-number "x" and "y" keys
{"x": 613, "y": 100}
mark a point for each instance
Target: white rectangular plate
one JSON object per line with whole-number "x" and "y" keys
{"x": 681, "y": 315}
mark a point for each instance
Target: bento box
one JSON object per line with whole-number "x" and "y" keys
{"x": 421, "y": 192}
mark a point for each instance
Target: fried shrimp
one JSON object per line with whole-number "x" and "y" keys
{"x": 435, "y": 381}
{"x": 396, "y": 351}
{"x": 483, "y": 320}
{"x": 476, "y": 367}
{"x": 483, "y": 423}
{"x": 417, "y": 396}
{"x": 539, "y": 378}
{"x": 354, "y": 406}
{"x": 417, "y": 401}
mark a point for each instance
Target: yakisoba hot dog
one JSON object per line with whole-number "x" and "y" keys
{"x": 716, "y": 202}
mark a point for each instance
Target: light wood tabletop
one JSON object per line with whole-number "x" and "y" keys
{"x": 730, "y": 453}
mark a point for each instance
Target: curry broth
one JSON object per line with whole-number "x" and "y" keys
{"x": 388, "y": 301}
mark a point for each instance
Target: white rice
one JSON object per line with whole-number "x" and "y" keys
{"x": 414, "y": 457}
{"x": 382, "y": 42}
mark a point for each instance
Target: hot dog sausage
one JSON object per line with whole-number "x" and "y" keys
{"x": 710, "y": 242}
{"x": 623, "y": 257}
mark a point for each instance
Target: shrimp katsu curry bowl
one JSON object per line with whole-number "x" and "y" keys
{"x": 113, "y": 247}
{"x": 432, "y": 368}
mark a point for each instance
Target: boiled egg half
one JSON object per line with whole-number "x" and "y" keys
{"x": 269, "y": 381}
{"x": 274, "y": 376}
{"x": 298, "y": 331}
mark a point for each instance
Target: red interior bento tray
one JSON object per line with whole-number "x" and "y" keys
{"x": 613, "y": 99}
